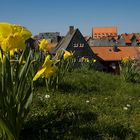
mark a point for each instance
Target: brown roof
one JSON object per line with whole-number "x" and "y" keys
{"x": 107, "y": 53}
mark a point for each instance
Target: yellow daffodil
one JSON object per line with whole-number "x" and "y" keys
{"x": 25, "y": 33}
{"x": 47, "y": 70}
{"x": 39, "y": 73}
{"x": 5, "y": 29}
{"x": 49, "y": 62}
{"x": 12, "y": 52}
{"x": 43, "y": 44}
{"x": 50, "y": 71}
{"x": 67, "y": 54}
{"x": 94, "y": 60}
{"x": 13, "y": 36}
{"x": 125, "y": 60}
{"x": 85, "y": 59}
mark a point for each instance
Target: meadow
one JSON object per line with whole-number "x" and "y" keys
{"x": 88, "y": 105}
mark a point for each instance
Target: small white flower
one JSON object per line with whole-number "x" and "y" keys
{"x": 125, "y": 108}
{"x": 87, "y": 101}
{"x": 47, "y": 96}
{"x": 106, "y": 98}
{"x": 128, "y": 105}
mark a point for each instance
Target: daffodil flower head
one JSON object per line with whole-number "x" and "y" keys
{"x": 125, "y": 60}
{"x": 85, "y": 59}
{"x": 12, "y": 53}
{"x": 50, "y": 71}
{"x": 47, "y": 70}
{"x": 43, "y": 44}
{"x": 39, "y": 73}
{"x": 94, "y": 60}
{"x": 67, "y": 54}
{"x": 13, "y": 36}
{"x": 47, "y": 60}
{"x": 5, "y": 29}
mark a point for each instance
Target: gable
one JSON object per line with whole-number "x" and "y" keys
{"x": 79, "y": 46}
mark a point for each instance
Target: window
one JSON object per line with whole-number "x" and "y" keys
{"x": 81, "y": 45}
{"x": 75, "y": 45}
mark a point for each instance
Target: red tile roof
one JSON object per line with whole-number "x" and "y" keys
{"x": 105, "y": 30}
{"x": 128, "y": 37}
{"x": 137, "y": 37}
{"x": 98, "y": 32}
{"x": 107, "y": 53}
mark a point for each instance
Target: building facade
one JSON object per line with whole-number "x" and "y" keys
{"x": 99, "y": 32}
{"x": 52, "y": 37}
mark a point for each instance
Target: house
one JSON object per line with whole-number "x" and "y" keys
{"x": 131, "y": 39}
{"x": 127, "y": 38}
{"x": 75, "y": 42}
{"x": 99, "y": 32}
{"x": 53, "y": 37}
{"x": 110, "y": 57}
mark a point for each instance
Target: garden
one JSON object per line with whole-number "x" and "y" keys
{"x": 44, "y": 97}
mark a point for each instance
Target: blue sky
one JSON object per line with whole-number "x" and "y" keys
{"x": 58, "y": 15}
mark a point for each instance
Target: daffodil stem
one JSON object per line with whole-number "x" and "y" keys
{"x": 47, "y": 85}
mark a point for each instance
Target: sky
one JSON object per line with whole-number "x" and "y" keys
{"x": 57, "y": 15}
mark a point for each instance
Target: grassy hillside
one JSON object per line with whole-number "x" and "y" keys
{"x": 88, "y": 105}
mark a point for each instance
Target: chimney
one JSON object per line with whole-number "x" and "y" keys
{"x": 115, "y": 48}
{"x": 71, "y": 29}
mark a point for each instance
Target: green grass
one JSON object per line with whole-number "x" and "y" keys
{"x": 88, "y": 105}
